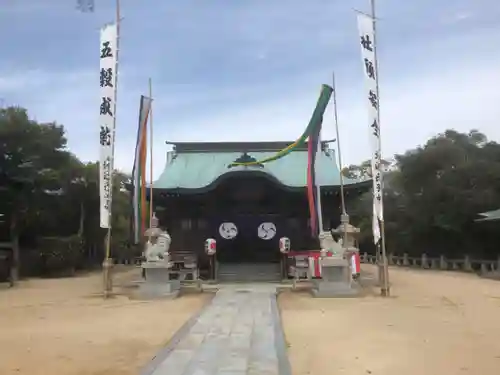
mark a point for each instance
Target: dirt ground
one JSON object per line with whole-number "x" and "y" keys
{"x": 63, "y": 327}
{"x": 435, "y": 323}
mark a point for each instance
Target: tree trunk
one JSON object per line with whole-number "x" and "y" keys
{"x": 82, "y": 220}
{"x": 14, "y": 238}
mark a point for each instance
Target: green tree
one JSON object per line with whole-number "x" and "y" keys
{"x": 48, "y": 194}
{"x": 364, "y": 170}
{"x": 434, "y": 194}
{"x": 31, "y": 156}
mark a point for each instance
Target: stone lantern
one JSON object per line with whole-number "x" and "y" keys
{"x": 349, "y": 235}
{"x": 336, "y": 279}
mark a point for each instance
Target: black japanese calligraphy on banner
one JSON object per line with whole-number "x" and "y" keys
{"x": 375, "y": 128}
{"x": 106, "y": 51}
{"x": 107, "y": 84}
{"x": 105, "y": 136}
{"x": 105, "y": 108}
{"x": 369, "y": 69}
{"x": 367, "y": 42}
{"x": 373, "y": 98}
{"x": 107, "y": 77}
{"x": 106, "y": 167}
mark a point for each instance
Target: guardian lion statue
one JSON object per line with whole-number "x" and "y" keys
{"x": 158, "y": 245}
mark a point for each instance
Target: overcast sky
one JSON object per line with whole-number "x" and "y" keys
{"x": 249, "y": 70}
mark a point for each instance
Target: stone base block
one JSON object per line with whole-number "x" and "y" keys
{"x": 155, "y": 290}
{"x": 328, "y": 289}
{"x": 156, "y": 272}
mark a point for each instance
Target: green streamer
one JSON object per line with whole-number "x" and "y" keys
{"x": 315, "y": 122}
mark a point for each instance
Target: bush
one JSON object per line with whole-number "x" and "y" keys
{"x": 60, "y": 256}
{"x": 124, "y": 250}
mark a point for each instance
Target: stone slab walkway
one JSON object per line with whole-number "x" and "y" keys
{"x": 238, "y": 333}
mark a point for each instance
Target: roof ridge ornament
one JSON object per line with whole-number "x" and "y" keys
{"x": 245, "y": 159}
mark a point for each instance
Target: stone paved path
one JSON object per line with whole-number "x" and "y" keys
{"x": 239, "y": 333}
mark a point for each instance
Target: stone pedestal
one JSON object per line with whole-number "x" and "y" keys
{"x": 107, "y": 268}
{"x": 335, "y": 279}
{"x": 157, "y": 282}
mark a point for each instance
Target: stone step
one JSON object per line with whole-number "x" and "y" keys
{"x": 228, "y": 272}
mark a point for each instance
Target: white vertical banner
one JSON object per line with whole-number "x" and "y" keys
{"x": 107, "y": 79}
{"x": 366, "y": 40}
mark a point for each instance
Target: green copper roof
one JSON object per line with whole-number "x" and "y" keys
{"x": 198, "y": 170}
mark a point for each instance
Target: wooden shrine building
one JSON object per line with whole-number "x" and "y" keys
{"x": 246, "y": 210}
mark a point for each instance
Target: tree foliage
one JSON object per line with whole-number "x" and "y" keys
{"x": 47, "y": 193}
{"x": 433, "y": 195}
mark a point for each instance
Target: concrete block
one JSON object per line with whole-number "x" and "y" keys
{"x": 158, "y": 290}
{"x": 328, "y": 289}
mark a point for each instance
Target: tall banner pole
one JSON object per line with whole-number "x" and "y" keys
{"x": 109, "y": 49}
{"x": 151, "y": 152}
{"x": 384, "y": 268}
{"x": 367, "y": 35}
{"x": 344, "y": 218}
{"x": 319, "y": 207}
